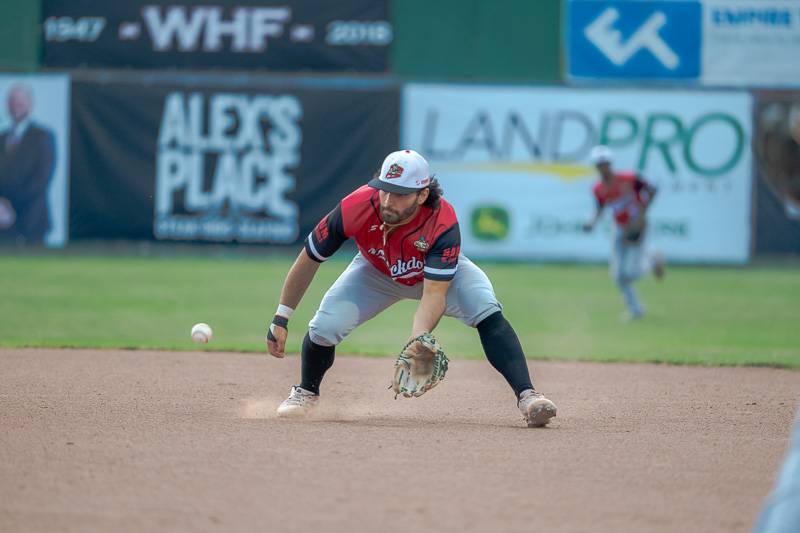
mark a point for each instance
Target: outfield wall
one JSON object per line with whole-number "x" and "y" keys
{"x": 260, "y": 160}
{"x": 711, "y": 43}
{"x": 719, "y": 137}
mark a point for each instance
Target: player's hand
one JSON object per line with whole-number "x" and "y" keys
{"x": 276, "y": 340}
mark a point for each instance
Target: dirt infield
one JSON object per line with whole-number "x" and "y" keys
{"x": 139, "y": 441}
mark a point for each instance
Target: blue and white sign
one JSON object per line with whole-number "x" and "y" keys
{"x": 634, "y": 39}
{"x": 751, "y": 43}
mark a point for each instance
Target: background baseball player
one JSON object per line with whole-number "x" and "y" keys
{"x": 628, "y": 196}
{"x": 409, "y": 248}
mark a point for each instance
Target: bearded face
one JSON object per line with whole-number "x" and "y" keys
{"x": 393, "y": 216}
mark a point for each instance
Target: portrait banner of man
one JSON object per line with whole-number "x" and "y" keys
{"x": 776, "y": 147}
{"x": 34, "y": 152}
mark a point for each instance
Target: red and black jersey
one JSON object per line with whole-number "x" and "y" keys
{"x": 624, "y": 195}
{"x": 425, "y": 247}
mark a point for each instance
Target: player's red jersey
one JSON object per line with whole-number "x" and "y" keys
{"x": 425, "y": 247}
{"x": 623, "y": 195}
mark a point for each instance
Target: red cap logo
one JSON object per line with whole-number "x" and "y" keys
{"x": 395, "y": 171}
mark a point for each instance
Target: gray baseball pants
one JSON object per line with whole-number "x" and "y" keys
{"x": 361, "y": 292}
{"x": 628, "y": 263}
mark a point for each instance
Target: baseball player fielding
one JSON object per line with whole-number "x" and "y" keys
{"x": 409, "y": 247}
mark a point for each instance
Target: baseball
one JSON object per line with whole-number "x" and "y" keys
{"x": 201, "y": 333}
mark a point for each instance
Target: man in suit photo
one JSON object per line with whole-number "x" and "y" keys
{"x": 27, "y": 161}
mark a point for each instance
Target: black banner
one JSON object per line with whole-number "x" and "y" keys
{"x": 289, "y": 35}
{"x": 256, "y": 165}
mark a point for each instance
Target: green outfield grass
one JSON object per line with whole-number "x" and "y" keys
{"x": 725, "y": 316}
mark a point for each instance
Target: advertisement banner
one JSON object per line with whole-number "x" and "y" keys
{"x": 292, "y": 35}
{"x": 776, "y": 146}
{"x": 751, "y": 42}
{"x": 737, "y": 43}
{"x": 514, "y": 162}
{"x": 634, "y": 39}
{"x": 221, "y": 164}
{"x": 34, "y": 159}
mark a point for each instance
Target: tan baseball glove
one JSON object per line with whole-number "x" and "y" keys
{"x": 420, "y": 367}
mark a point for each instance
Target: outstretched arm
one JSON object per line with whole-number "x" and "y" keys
{"x": 589, "y": 226}
{"x": 431, "y": 307}
{"x": 320, "y": 244}
{"x": 298, "y": 279}
{"x": 294, "y": 287}
{"x": 441, "y": 263}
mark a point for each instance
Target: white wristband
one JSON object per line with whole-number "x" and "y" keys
{"x": 284, "y": 310}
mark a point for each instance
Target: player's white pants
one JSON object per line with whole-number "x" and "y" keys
{"x": 361, "y": 292}
{"x": 781, "y": 513}
{"x": 628, "y": 263}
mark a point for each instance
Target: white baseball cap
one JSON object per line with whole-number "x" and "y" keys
{"x": 402, "y": 172}
{"x": 601, "y": 154}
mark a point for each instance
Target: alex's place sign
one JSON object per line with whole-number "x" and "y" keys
{"x": 532, "y": 146}
{"x": 220, "y": 164}
{"x": 250, "y": 169}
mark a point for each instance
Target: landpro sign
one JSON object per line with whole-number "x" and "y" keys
{"x": 514, "y": 162}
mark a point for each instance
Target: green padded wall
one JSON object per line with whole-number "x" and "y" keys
{"x": 477, "y": 40}
{"x": 19, "y": 34}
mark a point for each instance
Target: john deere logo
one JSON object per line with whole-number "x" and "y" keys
{"x": 490, "y": 223}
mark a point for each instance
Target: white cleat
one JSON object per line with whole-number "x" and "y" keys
{"x": 299, "y": 403}
{"x": 535, "y": 408}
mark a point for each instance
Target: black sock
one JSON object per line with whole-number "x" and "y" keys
{"x": 315, "y": 361}
{"x": 504, "y": 352}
